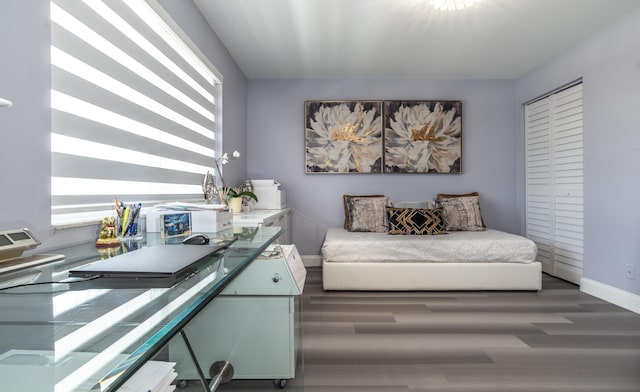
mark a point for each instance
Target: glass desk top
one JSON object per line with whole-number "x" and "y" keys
{"x": 68, "y": 334}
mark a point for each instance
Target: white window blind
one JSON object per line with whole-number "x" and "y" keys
{"x": 133, "y": 109}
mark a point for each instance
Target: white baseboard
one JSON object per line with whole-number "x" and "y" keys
{"x": 312, "y": 260}
{"x": 611, "y": 294}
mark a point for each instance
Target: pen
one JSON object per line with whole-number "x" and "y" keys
{"x": 134, "y": 219}
{"x": 115, "y": 200}
{"x": 125, "y": 221}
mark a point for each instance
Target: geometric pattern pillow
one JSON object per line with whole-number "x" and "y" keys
{"x": 368, "y": 214}
{"x": 415, "y": 221}
{"x": 462, "y": 213}
{"x": 345, "y": 200}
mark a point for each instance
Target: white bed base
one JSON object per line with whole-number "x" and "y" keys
{"x": 399, "y": 276}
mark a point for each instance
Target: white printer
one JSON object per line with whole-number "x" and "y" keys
{"x": 270, "y": 196}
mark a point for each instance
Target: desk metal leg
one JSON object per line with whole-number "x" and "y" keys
{"x": 203, "y": 380}
{"x": 222, "y": 369}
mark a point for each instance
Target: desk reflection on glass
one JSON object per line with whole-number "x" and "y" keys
{"x": 60, "y": 334}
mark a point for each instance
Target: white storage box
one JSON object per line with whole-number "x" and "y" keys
{"x": 201, "y": 221}
{"x": 270, "y": 197}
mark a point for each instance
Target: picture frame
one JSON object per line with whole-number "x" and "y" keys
{"x": 176, "y": 224}
{"x": 423, "y": 136}
{"x": 343, "y": 136}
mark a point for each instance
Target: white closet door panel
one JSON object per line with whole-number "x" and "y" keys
{"x": 573, "y": 259}
{"x": 570, "y": 248}
{"x": 539, "y": 181}
{"x": 570, "y": 235}
{"x": 545, "y": 255}
{"x": 567, "y": 272}
{"x": 572, "y": 165}
{"x": 567, "y": 117}
{"x": 567, "y": 249}
{"x": 570, "y": 228}
{"x": 570, "y": 202}
{"x": 571, "y": 94}
{"x": 566, "y": 153}
{"x": 568, "y": 167}
{"x": 573, "y": 221}
{"x": 569, "y": 129}
{"x": 559, "y": 258}
{"x": 569, "y": 176}
{"x": 568, "y": 143}
{"x": 554, "y": 149}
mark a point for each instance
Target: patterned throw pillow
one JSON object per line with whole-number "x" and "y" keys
{"x": 462, "y": 213}
{"x": 424, "y": 204}
{"x": 345, "y": 200}
{"x": 450, "y": 195}
{"x": 415, "y": 221}
{"x": 368, "y": 214}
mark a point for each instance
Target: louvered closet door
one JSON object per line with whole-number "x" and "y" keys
{"x": 540, "y": 180}
{"x": 554, "y": 161}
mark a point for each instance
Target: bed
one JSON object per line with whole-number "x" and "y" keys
{"x": 459, "y": 260}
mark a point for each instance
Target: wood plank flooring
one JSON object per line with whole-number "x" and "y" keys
{"x": 555, "y": 340}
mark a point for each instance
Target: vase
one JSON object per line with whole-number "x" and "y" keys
{"x": 235, "y": 204}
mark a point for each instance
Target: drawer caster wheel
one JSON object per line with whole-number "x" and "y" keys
{"x": 280, "y": 383}
{"x": 222, "y": 368}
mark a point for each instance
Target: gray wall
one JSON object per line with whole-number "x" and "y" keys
{"x": 609, "y": 63}
{"x": 276, "y": 146}
{"x": 272, "y": 114}
{"x": 25, "y": 127}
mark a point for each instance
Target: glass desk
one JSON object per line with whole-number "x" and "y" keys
{"x": 62, "y": 334}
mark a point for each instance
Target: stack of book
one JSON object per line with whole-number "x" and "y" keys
{"x": 154, "y": 376}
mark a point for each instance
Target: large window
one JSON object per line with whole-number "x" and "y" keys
{"x": 133, "y": 108}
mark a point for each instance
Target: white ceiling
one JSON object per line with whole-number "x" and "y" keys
{"x": 497, "y": 39}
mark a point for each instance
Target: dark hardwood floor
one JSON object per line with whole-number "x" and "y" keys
{"x": 555, "y": 340}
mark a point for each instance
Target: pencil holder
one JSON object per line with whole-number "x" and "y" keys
{"x": 127, "y": 227}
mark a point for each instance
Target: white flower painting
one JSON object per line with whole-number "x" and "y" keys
{"x": 343, "y": 136}
{"x": 422, "y": 136}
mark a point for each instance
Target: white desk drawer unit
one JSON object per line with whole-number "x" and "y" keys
{"x": 256, "y": 322}
{"x": 280, "y": 218}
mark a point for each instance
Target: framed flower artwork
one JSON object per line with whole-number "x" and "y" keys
{"x": 343, "y": 136}
{"x": 423, "y": 137}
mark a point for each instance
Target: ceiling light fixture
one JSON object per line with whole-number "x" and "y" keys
{"x": 5, "y": 102}
{"x": 452, "y": 5}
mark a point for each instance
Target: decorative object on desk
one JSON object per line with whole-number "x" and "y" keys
{"x": 205, "y": 218}
{"x": 224, "y": 159}
{"x": 423, "y": 137}
{"x": 175, "y": 224}
{"x": 247, "y": 186}
{"x": 343, "y": 136}
{"x": 209, "y": 188}
{"x": 127, "y": 220}
{"x": 107, "y": 237}
{"x": 107, "y": 252}
{"x": 228, "y": 194}
{"x": 235, "y": 204}
{"x": 125, "y": 247}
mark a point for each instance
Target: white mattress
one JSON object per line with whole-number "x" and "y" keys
{"x": 490, "y": 246}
